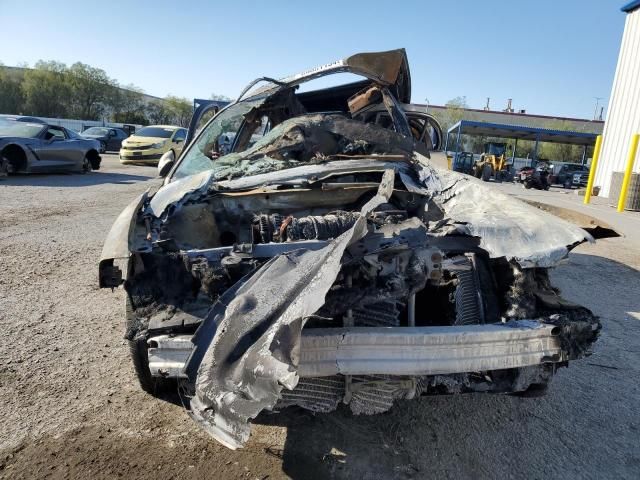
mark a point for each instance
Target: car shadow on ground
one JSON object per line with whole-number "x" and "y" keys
{"x": 492, "y": 436}
{"x": 73, "y": 179}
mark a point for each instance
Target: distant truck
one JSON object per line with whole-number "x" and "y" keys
{"x": 570, "y": 175}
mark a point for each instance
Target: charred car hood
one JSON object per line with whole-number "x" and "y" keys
{"x": 523, "y": 233}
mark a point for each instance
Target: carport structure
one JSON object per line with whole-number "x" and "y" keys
{"x": 520, "y": 132}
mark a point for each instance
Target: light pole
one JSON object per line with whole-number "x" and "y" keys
{"x": 595, "y": 110}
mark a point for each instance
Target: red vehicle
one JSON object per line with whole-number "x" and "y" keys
{"x": 523, "y": 173}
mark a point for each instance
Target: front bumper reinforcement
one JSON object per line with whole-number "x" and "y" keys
{"x": 397, "y": 350}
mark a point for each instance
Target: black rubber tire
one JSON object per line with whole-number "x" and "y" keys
{"x": 486, "y": 172}
{"x": 4, "y": 166}
{"x": 86, "y": 165}
{"x": 527, "y": 185}
{"x": 103, "y": 147}
{"x": 567, "y": 184}
{"x": 138, "y": 350}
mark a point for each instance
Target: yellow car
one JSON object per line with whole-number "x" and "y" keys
{"x": 148, "y": 144}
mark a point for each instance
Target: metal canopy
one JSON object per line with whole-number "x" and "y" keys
{"x": 631, "y": 6}
{"x": 518, "y": 132}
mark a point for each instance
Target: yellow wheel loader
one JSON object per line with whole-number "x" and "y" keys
{"x": 492, "y": 163}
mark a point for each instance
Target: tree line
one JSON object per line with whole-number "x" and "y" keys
{"x": 80, "y": 91}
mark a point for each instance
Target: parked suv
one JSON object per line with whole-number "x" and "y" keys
{"x": 572, "y": 175}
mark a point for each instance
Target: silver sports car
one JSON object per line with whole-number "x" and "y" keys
{"x": 36, "y": 147}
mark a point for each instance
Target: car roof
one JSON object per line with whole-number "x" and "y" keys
{"x": 30, "y": 120}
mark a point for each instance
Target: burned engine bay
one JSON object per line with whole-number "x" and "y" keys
{"x": 330, "y": 262}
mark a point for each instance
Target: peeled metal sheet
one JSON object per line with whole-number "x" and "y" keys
{"x": 255, "y": 351}
{"x": 506, "y": 226}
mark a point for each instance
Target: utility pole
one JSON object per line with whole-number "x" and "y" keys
{"x": 595, "y": 110}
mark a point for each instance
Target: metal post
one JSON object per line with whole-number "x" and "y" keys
{"x": 411, "y": 310}
{"x": 535, "y": 152}
{"x": 627, "y": 172}
{"x": 592, "y": 169}
{"x": 513, "y": 157}
{"x": 458, "y": 138}
{"x": 446, "y": 143}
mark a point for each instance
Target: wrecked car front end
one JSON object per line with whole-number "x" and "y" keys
{"x": 328, "y": 261}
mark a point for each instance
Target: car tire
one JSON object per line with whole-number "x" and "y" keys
{"x": 567, "y": 184}
{"x": 4, "y": 166}
{"x": 86, "y": 165}
{"x": 103, "y": 147}
{"x": 139, "y": 352}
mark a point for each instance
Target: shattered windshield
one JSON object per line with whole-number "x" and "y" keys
{"x": 216, "y": 139}
{"x": 302, "y": 139}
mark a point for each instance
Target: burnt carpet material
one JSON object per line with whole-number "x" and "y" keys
{"x": 255, "y": 351}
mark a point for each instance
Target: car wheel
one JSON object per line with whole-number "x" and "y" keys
{"x": 567, "y": 183}
{"x": 4, "y": 166}
{"x": 103, "y": 147}
{"x": 86, "y": 165}
{"x": 139, "y": 352}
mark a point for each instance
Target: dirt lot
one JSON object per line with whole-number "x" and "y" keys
{"x": 70, "y": 406}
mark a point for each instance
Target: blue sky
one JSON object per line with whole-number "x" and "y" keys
{"x": 551, "y": 57}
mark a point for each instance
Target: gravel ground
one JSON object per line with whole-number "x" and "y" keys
{"x": 71, "y": 408}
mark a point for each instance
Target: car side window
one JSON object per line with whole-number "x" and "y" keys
{"x": 55, "y": 133}
{"x": 180, "y": 135}
{"x": 71, "y": 134}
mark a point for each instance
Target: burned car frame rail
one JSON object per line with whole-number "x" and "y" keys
{"x": 327, "y": 260}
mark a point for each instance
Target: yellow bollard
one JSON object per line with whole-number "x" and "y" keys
{"x": 627, "y": 172}
{"x": 592, "y": 169}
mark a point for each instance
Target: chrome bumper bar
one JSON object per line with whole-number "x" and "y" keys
{"x": 397, "y": 350}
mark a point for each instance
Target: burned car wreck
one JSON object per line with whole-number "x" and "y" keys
{"x": 325, "y": 259}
